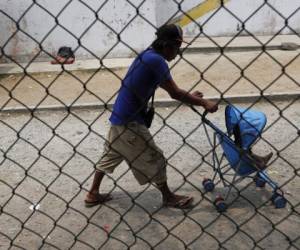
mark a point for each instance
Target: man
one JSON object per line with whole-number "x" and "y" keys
{"x": 129, "y": 139}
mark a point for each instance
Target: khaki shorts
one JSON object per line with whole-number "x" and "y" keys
{"x": 134, "y": 144}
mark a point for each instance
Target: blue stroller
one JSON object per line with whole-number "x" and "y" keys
{"x": 246, "y": 125}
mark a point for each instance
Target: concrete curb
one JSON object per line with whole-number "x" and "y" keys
{"x": 120, "y": 63}
{"x": 206, "y": 50}
{"x": 160, "y": 103}
{"x": 282, "y": 46}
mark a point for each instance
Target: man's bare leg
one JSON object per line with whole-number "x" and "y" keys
{"x": 93, "y": 197}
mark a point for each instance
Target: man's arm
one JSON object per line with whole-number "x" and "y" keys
{"x": 194, "y": 99}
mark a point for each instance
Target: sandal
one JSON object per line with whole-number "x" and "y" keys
{"x": 183, "y": 202}
{"x": 100, "y": 199}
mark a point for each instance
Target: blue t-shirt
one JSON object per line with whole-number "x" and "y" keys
{"x": 147, "y": 71}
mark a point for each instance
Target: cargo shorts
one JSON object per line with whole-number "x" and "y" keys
{"x": 134, "y": 144}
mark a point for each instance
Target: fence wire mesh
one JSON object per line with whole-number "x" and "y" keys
{"x": 49, "y": 150}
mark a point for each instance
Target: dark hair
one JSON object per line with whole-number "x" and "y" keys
{"x": 170, "y": 32}
{"x": 167, "y": 35}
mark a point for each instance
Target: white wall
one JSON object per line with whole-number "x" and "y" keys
{"x": 98, "y": 38}
{"x": 265, "y": 21}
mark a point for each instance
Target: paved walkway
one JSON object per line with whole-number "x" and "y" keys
{"x": 82, "y": 85}
{"x": 200, "y": 45}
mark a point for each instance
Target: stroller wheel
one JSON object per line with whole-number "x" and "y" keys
{"x": 278, "y": 200}
{"x": 220, "y": 204}
{"x": 259, "y": 182}
{"x": 208, "y": 185}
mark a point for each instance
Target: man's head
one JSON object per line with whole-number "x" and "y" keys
{"x": 168, "y": 41}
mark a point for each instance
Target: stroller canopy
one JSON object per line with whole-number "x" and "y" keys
{"x": 250, "y": 124}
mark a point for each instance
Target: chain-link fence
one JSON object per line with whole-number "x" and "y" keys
{"x": 54, "y": 121}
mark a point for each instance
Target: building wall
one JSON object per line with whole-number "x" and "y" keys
{"x": 77, "y": 24}
{"x": 228, "y": 21}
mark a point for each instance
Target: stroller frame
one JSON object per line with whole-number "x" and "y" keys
{"x": 260, "y": 177}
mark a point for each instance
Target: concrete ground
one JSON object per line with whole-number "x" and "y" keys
{"x": 201, "y": 44}
{"x": 47, "y": 158}
{"x": 52, "y": 173}
{"x": 274, "y": 72}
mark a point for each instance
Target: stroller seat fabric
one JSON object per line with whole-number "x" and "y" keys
{"x": 246, "y": 125}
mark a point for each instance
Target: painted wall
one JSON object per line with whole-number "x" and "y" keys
{"x": 259, "y": 18}
{"x": 77, "y": 22}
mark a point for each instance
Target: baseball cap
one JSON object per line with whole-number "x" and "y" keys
{"x": 170, "y": 32}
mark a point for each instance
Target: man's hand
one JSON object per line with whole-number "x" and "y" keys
{"x": 197, "y": 94}
{"x": 210, "y": 106}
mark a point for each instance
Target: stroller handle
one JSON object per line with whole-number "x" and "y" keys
{"x": 203, "y": 115}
